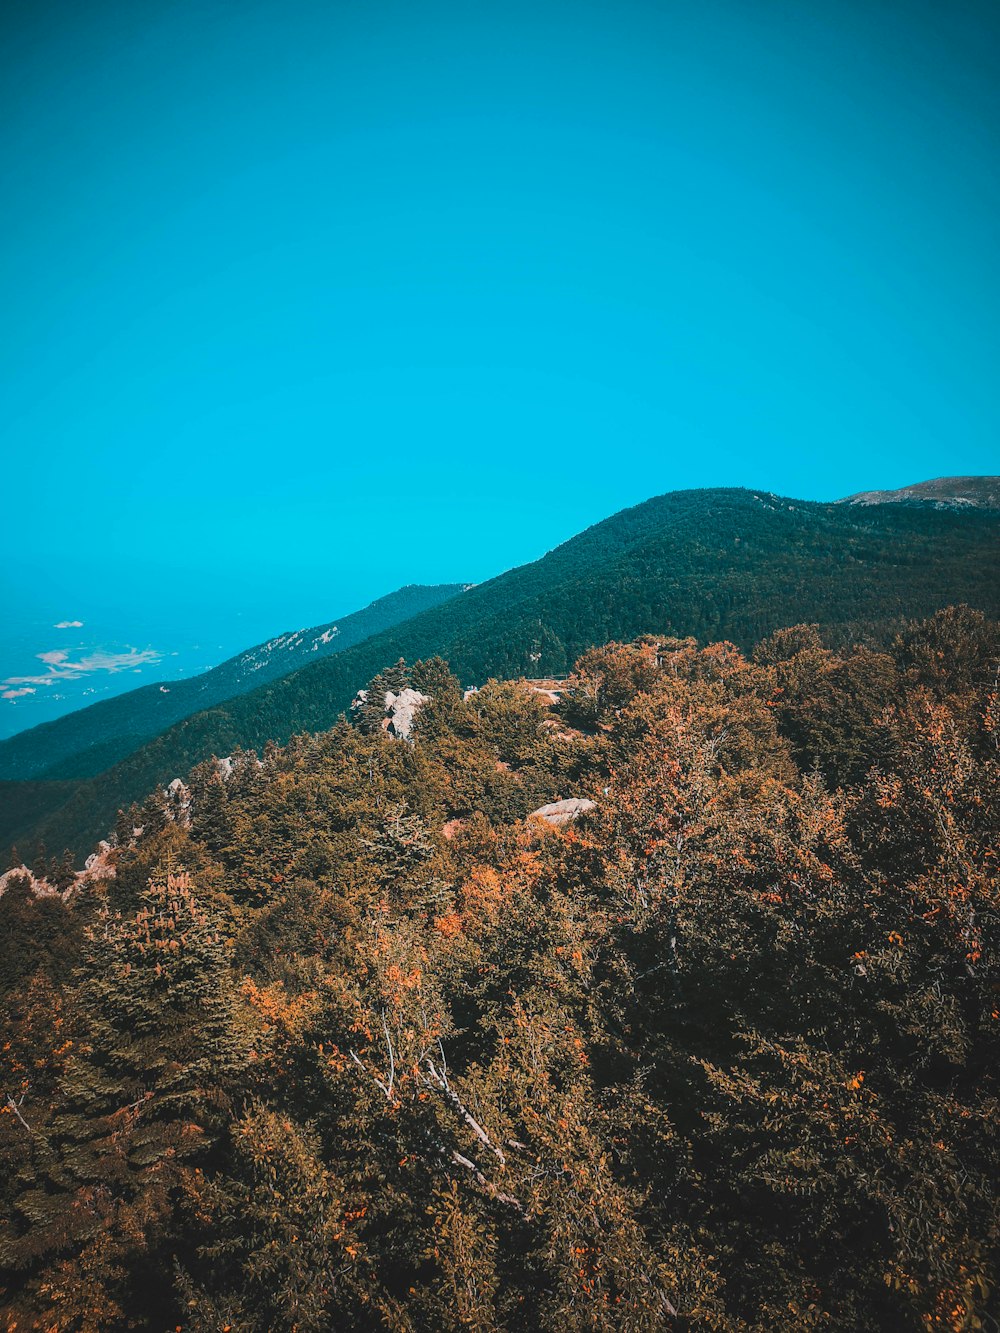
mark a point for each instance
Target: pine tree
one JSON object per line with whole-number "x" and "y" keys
{"x": 141, "y": 1101}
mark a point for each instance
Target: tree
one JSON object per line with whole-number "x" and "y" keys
{"x": 141, "y": 1101}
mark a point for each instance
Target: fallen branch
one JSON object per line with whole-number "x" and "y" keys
{"x": 14, "y": 1106}
{"x": 365, "y": 1070}
{"x": 487, "y": 1185}
{"x": 385, "y": 1088}
{"x": 439, "y": 1079}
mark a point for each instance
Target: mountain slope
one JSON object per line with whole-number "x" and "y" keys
{"x": 715, "y": 563}
{"x": 949, "y": 492}
{"x": 93, "y": 739}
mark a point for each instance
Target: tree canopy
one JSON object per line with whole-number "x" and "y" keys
{"x": 351, "y": 1040}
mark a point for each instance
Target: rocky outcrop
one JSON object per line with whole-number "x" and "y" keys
{"x": 227, "y": 765}
{"x": 942, "y": 493}
{"x": 561, "y": 812}
{"x": 41, "y": 888}
{"x": 99, "y": 865}
{"x": 400, "y": 710}
{"x": 549, "y": 688}
{"x": 178, "y": 796}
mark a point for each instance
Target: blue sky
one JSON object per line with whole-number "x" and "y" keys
{"x": 304, "y": 301}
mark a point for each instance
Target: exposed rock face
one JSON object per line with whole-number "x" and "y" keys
{"x": 550, "y": 688}
{"x": 41, "y": 888}
{"x": 942, "y": 492}
{"x": 561, "y": 812}
{"x": 178, "y": 796}
{"x": 401, "y": 709}
{"x": 99, "y": 865}
{"x": 226, "y": 766}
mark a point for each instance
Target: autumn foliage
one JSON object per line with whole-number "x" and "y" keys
{"x": 351, "y": 1043}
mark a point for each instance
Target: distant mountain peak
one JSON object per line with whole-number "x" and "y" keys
{"x": 942, "y": 492}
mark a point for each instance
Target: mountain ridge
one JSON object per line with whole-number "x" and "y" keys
{"x": 945, "y": 492}
{"x": 91, "y": 740}
{"x": 720, "y": 563}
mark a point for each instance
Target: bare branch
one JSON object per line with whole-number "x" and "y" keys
{"x": 16, "y": 1108}
{"x": 365, "y": 1070}
{"x": 392, "y": 1057}
{"x": 487, "y": 1185}
{"x": 439, "y": 1080}
{"x": 666, "y": 1304}
{"x": 386, "y": 1088}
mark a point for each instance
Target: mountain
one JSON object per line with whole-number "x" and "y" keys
{"x": 93, "y": 739}
{"x": 723, "y": 563}
{"x": 945, "y": 492}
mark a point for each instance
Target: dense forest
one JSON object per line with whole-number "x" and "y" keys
{"x": 714, "y": 564}
{"x": 341, "y": 1035}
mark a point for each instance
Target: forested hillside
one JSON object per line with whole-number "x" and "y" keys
{"x": 340, "y": 1037}
{"x": 710, "y": 563}
{"x": 93, "y": 739}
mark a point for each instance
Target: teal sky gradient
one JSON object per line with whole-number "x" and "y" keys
{"x": 304, "y": 301}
